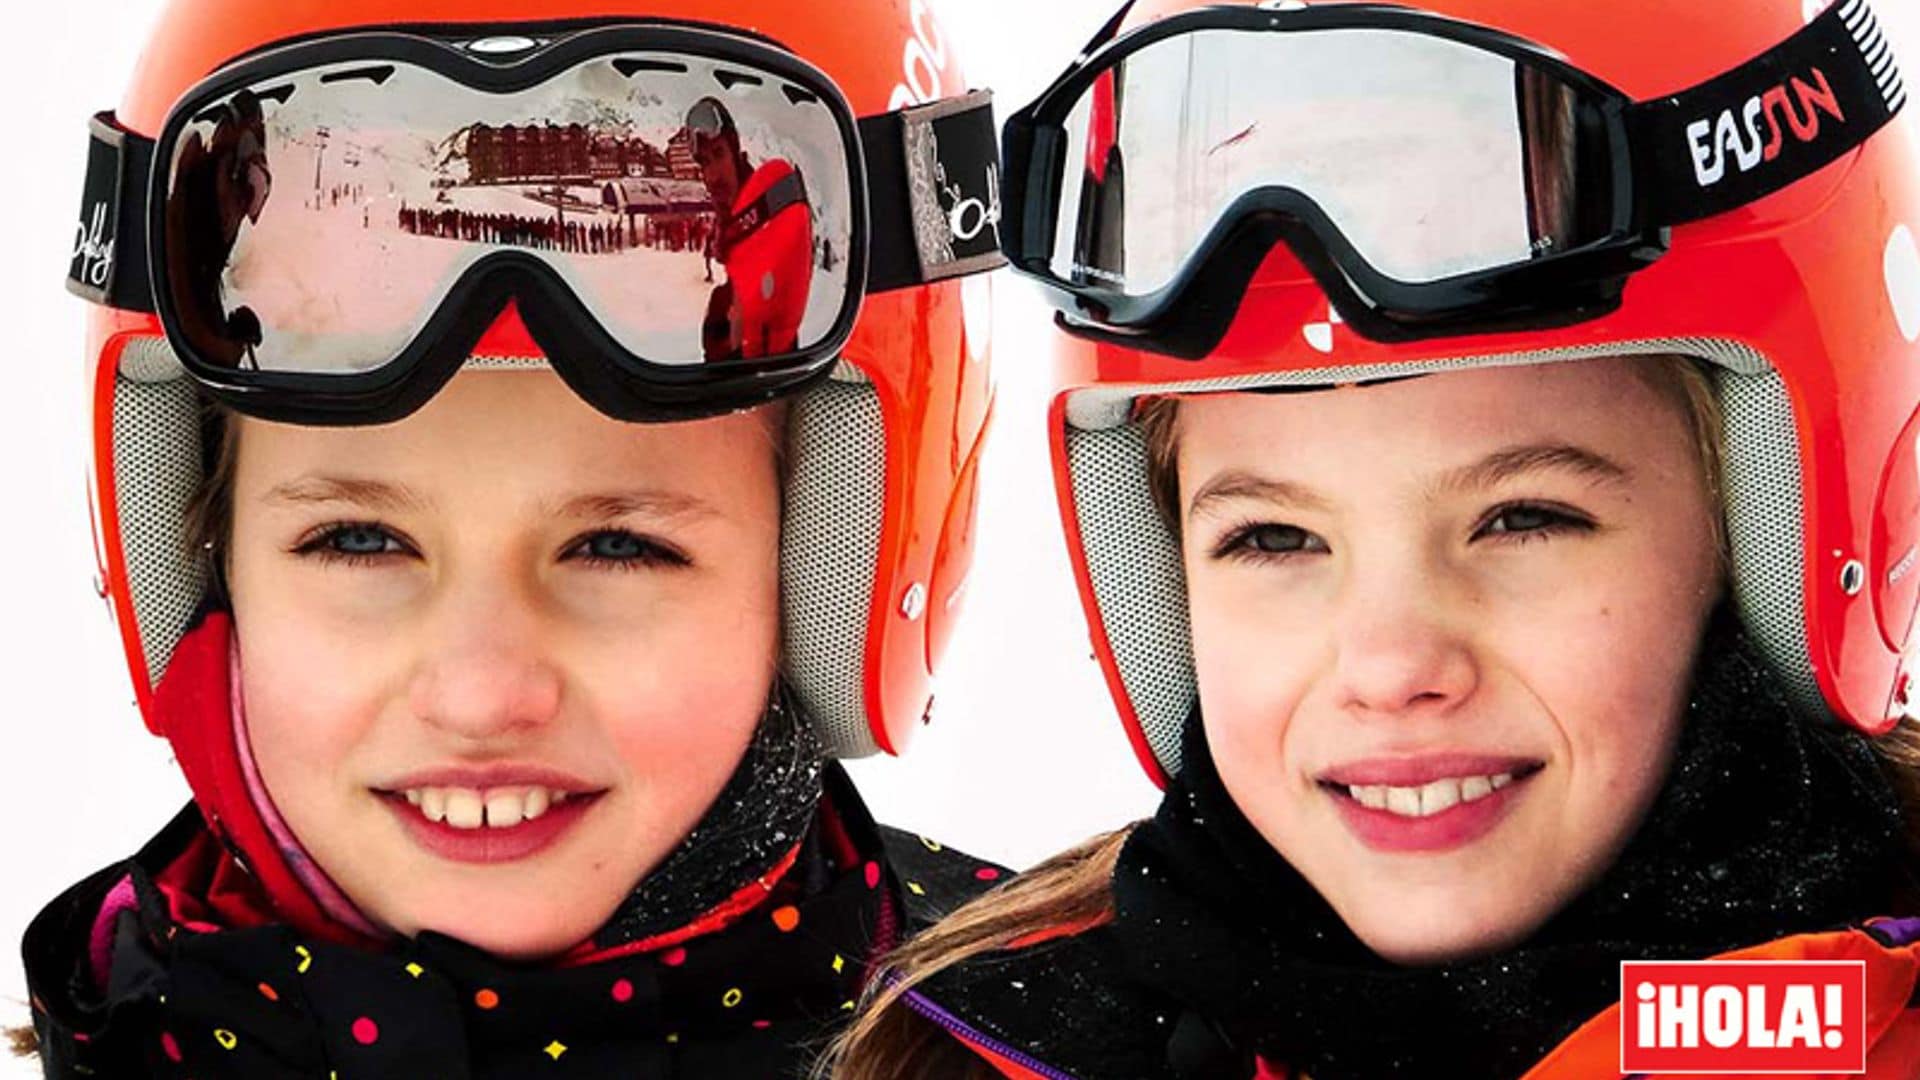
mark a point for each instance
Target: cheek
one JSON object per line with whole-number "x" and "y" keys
{"x": 683, "y": 694}
{"x": 310, "y": 712}
{"x": 1253, "y": 663}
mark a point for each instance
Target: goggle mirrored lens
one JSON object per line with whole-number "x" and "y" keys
{"x": 1432, "y": 157}
{"x": 700, "y": 209}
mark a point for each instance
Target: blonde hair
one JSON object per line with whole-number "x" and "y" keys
{"x": 888, "y": 1041}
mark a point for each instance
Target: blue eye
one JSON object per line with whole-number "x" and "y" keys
{"x": 350, "y": 542}
{"x": 625, "y": 550}
{"x": 360, "y": 540}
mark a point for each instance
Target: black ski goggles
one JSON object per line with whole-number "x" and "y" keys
{"x": 1436, "y": 177}
{"x": 686, "y": 219}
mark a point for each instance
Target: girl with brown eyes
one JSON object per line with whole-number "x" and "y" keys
{"x": 1495, "y": 537}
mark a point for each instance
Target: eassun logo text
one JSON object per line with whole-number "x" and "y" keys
{"x": 1743, "y": 1016}
{"x": 1792, "y": 107}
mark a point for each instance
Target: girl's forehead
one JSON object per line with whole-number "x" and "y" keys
{"x": 1457, "y": 407}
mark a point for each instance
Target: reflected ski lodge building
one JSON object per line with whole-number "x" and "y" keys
{"x": 636, "y": 178}
{"x": 571, "y": 154}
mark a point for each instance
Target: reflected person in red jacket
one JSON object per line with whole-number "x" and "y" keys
{"x": 764, "y": 241}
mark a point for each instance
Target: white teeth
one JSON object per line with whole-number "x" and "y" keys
{"x": 464, "y": 809}
{"x": 1404, "y": 800}
{"x": 1439, "y": 795}
{"x": 537, "y": 802}
{"x": 1430, "y": 798}
{"x": 496, "y": 808}
{"x": 504, "y": 808}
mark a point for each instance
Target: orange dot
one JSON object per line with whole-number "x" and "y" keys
{"x": 269, "y": 992}
{"x": 486, "y": 999}
{"x": 786, "y": 918}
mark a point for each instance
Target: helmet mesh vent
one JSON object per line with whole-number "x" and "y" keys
{"x": 157, "y": 470}
{"x": 829, "y": 545}
{"x": 1134, "y": 563}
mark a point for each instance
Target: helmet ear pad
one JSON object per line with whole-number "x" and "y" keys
{"x": 1133, "y": 581}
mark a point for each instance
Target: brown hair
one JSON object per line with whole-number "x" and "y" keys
{"x": 209, "y": 520}
{"x": 888, "y": 1041}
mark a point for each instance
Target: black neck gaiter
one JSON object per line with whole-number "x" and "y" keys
{"x": 758, "y": 819}
{"x": 1765, "y": 827}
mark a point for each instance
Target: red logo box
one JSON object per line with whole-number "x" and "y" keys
{"x": 1743, "y": 1016}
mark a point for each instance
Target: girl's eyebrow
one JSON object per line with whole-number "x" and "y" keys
{"x": 1240, "y": 484}
{"x": 383, "y": 496}
{"x": 1496, "y": 468}
{"x": 359, "y": 491}
{"x": 648, "y": 502}
{"x": 1505, "y": 464}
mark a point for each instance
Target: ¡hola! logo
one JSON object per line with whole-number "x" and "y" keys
{"x": 1712, "y": 140}
{"x": 1743, "y": 1016}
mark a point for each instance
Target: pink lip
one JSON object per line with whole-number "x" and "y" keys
{"x": 1425, "y": 769}
{"x": 1455, "y": 827}
{"x": 489, "y": 845}
{"x": 485, "y": 778}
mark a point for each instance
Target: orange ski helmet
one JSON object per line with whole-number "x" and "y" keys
{"x": 1804, "y": 300}
{"x": 879, "y": 508}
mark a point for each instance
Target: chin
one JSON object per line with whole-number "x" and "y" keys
{"x": 1442, "y": 931}
{"x": 531, "y": 939}
{"x": 501, "y": 928}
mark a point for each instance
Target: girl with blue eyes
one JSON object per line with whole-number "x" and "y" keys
{"x": 507, "y": 645}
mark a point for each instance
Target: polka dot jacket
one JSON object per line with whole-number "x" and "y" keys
{"x": 755, "y": 998}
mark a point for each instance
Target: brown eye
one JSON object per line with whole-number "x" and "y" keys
{"x": 1276, "y": 539}
{"x": 1526, "y": 520}
{"x": 1268, "y": 540}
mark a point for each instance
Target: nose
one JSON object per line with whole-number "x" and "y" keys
{"x": 485, "y": 672}
{"x": 1402, "y": 643}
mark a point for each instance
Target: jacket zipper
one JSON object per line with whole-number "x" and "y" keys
{"x": 959, "y": 1029}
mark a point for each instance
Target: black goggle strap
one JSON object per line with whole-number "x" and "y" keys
{"x": 1770, "y": 122}
{"x": 109, "y": 261}
{"x": 932, "y": 180}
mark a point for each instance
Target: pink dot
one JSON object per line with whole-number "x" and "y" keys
{"x": 365, "y": 1031}
{"x": 674, "y": 957}
{"x": 623, "y": 991}
{"x": 987, "y": 873}
{"x": 763, "y": 1024}
{"x": 172, "y": 1048}
{"x": 873, "y": 875}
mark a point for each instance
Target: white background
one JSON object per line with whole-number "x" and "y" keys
{"x": 1025, "y": 756}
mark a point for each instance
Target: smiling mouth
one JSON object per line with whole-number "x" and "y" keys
{"x": 1425, "y": 800}
{"x": 491, "y": 808}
